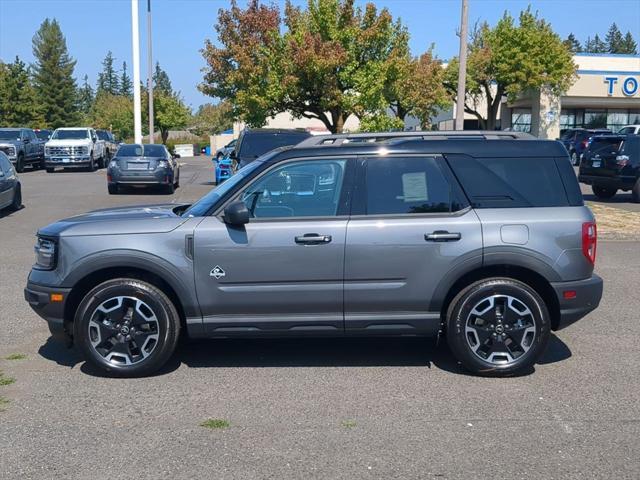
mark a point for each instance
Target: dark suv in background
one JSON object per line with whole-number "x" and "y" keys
{"x": 481, "y": 238}
{"x": 252, "y": 143}
{"x": 610, "y": 169}
{"x": 576, "y": 141}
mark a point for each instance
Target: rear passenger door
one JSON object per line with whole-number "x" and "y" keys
{"x": 410, "y": 228}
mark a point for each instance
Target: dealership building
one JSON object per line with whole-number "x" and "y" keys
{"x": 605, "y": 94}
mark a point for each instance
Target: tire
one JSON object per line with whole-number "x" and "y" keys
{"x": 50, "y": 170}
{"x": 42, "y": 164}
{"x": 177, "y": 182}
{"x": 519, "y": 343}
{"x": 575, "y": 160}
{"x": 169, "y": 189}
{"x": 113, "y": 189}
{"x": 20, "y": 164}
{"x": 635, "y": 192}
{"x": 603, "y": 192}
{"x": 92, "y": 165}
{"x": 127, "y": 327}
{"x": 17, "y": 198}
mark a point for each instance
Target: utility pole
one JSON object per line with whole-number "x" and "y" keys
{"x": 462, "y": 69}
{"x": 150, "y": 77}
{"x": 135, "y": 44}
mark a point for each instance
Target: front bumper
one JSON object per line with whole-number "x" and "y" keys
{"x": 69, "y": 161}
{"x": 587, "y": 298}
{"x": 39, "y": 298}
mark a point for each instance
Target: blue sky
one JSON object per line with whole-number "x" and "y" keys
{"x": 92, "y": 27}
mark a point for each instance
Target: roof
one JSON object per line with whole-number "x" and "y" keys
{"x": 476, "y": 143}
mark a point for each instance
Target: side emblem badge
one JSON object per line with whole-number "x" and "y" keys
{"x": 217, "y": 272}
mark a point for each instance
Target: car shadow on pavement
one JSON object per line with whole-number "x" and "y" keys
{"x": 305, "y": 352}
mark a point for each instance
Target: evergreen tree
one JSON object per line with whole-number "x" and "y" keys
{"x": 614, "y": 39}
{"x": 108, "y": 81}
{"x": 599, "y": 46}
{"x": 629, "y": 45}
{"x": 53, "y": 75}
{"x": 161, "y": 80}
{"x": 126, "y": 85}
{"x": 588, "y": 45}
{"x": 573, "y": 44}
{"x": 18, "y": 104}
{"x": 86, "y": 97}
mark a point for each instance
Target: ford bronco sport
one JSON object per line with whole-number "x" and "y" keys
{"x": 479, "y": 237}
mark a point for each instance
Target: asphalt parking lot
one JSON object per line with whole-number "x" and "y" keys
{"x": 380, "y": 409}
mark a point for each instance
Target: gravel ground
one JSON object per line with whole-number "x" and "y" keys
{"x": 379, "y": 409}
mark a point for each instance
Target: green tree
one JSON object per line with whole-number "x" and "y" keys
{"x": 126, "y": 85}
{"x": 108, "y": 81}
{"x": 18, "y": 104}
{"x": 161, "y": 81}
{"x": 573, "y": 44}
{"x": 614, "y": 39}
{"x": 330, "y": 60}
{"x": 170, "y": 112}
{"x": 210, "y": 118}
{"x": 629, "y": 45}
{"x": 598, "y": 45}
{"x": 510, "y": 59}
{"x": 86, "y": 97}
{"x": 113, "y": 112}
{"x": 52, "y": 74}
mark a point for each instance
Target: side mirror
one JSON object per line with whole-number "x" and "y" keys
{"x": 175, "y": 155}
{"x": 233, "y": 155}
{"x": 236, "y": 213}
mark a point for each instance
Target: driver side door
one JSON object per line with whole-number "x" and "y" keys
{"x": 282, "y": 273}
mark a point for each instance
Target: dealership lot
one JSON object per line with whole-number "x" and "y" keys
{"x": 398, "y": 408}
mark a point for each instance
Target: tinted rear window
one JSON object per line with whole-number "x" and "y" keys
{"x": 510, "y": 182}
{"x": 254, "y": 145}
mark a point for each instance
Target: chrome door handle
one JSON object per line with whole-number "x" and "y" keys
{"x": 312, "y": 239}
{"x": 442, "y": 236}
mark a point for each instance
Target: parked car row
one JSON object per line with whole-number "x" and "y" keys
{"x": 65, "y": 147}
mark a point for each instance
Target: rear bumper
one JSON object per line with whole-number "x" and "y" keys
{"x": 587, "y": 298}
{"x": 160, "y": 177}
{"x": 39, "y": 299}
{"x": 619, "y": 182}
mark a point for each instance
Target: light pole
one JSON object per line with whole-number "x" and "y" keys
{"x": 150, "y": 74}
{"x": 135, "y": 44}
{"x": 462, "y": 68}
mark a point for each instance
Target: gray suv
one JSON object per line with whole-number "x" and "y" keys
{"x": 482, "y": 238}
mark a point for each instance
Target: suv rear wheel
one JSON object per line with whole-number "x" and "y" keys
{"x": 635, "y": 192}
{"x": 603, "y": 192}
{"x": 497, "y": 326}
{"x": 127, "y": 327}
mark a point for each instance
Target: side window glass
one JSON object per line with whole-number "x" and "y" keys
{"x": 407, "y": 186}
{"x": 299, "y": 189}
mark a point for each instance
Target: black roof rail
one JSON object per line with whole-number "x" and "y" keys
{"x": 350, "y": 138}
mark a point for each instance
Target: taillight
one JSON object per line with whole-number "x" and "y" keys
{"x": 622, "y": 160}
{"x": 585, "y": 142}
{"x": 589, "y": 241}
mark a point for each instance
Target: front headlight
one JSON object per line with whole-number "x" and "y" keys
{"x": 46, "y": 250}
{"x": 163, "y": 164}
{"x": 113, "y": 164}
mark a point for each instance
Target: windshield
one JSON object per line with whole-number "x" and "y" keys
{"x": 43, "y": 134}
{"x": 70, "y": 135}
{"x": 140, "y": 151}
{"x": 9, "y": 134}
{"x": 202, "y": 206}
{"x": 253, "y": 146}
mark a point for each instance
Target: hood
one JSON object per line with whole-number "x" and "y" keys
{"x": 117, "y": 221}
{"x": 10, "y": 142}
{"x": 68, "y": 143}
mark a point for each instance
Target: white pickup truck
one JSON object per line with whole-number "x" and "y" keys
{"x": 76, "y": 147}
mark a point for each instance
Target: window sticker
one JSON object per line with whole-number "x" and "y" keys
{"x": 414, "y": 187}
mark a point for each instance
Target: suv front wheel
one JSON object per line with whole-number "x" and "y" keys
{"x": 127, "y": 327}
{"x": 497, "y": 326}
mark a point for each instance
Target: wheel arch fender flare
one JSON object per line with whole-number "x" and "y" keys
{"x": 118, "y": 261}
